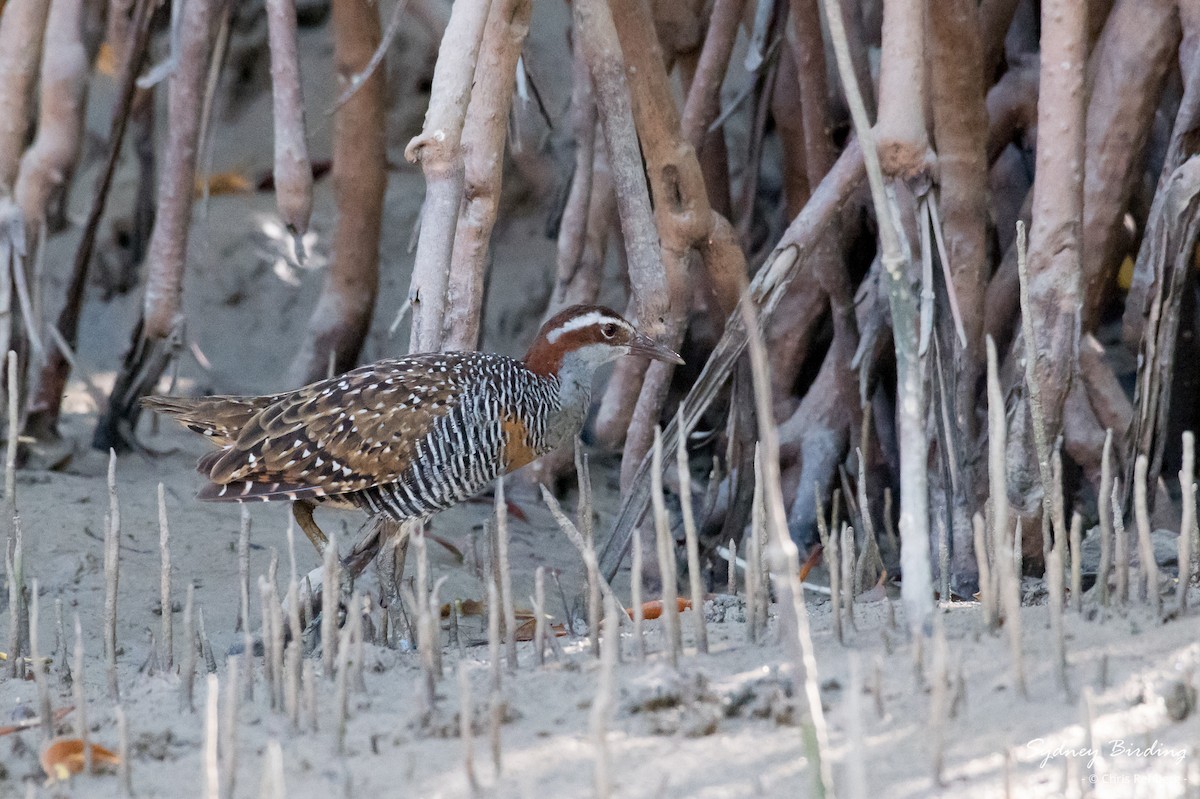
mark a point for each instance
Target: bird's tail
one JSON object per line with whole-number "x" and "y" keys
{"x": 219, "y": 418}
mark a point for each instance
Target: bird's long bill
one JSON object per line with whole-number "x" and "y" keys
{"x": 649, "y": 348}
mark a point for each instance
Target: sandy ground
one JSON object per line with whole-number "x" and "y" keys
{"x": 722, "y": 726}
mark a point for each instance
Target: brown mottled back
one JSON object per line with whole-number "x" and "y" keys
{"x": 439, "y": 426}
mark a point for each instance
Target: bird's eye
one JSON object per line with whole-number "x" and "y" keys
{"x": 609, "y": 330}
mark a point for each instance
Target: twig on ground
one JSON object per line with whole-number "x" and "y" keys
{"x": 1076, "y": 554}
{"x": 1104, "y": 510}
{"x": 603, "y": 704}
{"x": 506, "y": 592}
{"x": 167, "y": 634}
{"x": 330, "y": 584}
{"x": 693, "y": 546}
{"x": 112, "y": 575}
{"x": 187, "y": 677}
{"x": 635, "y": 596}
{"x": 1149, "y": 565}
{"x": 212, "y": 763}
{"x": 39, "y": 663}
{"x": 1121, "y": 552}
{"x": 466, "y": 731}
{"x": 1187, "y": 524}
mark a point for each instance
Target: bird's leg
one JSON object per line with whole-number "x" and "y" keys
{"x": 389, "y": 564}
{"x": 302, "y": 509}
{"x": 382, "y": 531}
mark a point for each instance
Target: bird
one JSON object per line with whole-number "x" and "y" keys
{"x": 405, "y": 438}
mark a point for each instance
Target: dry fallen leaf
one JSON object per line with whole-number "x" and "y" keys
{"x": 654, "y": 609}
{"x": 476, "y": 607}
{"x": 466, "y": 607}
{"x": 527, "y": 628}
{"x": 64, "y": 757}
{"x": 223, "y": 183}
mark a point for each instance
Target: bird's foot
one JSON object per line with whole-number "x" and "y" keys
{"x": 302, "y": 510}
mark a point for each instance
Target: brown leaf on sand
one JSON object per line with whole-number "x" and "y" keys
{"x": 527, "y": 619}
{"x": 654, "y": 609}
{"x": 64, "y": 757}
{"x": 527, "y": 629}
{"x": 222, "y": 183}
{"x": 466, "y": 607}
{"x": 476, "y": 607}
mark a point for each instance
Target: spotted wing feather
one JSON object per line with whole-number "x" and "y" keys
{"x": 341, "y": 435}
{"x": 219, "y": 417}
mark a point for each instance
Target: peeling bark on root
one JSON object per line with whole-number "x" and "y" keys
{"x": 1149, "y": 269}
{"x": 1054, "y": 240}
{"x": 484, "y": 135}
{"x": 900, "y": 132}
{"x": 960, "y": 124}
{"x": 437, "y": 150}
{"x": 1172, "y": 252}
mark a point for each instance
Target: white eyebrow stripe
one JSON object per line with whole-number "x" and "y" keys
{"x": 588, "y": 319}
